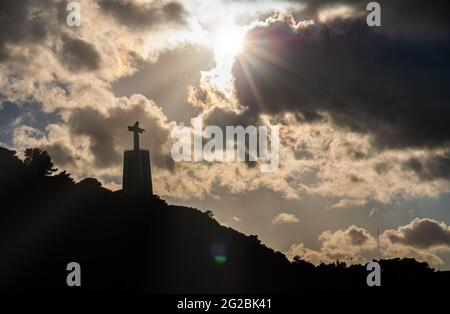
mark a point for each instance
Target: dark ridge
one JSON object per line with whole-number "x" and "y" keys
{"x": 140, "y": 244}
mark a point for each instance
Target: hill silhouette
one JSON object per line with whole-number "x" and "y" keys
{"x": 139, "y": 243}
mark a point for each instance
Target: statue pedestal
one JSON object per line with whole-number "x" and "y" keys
{"x": 137, "y": 177}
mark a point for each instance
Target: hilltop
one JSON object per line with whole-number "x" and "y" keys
{"x": 139, "y": 243}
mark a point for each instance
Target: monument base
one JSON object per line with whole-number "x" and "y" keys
{"x": 137, "y": 178}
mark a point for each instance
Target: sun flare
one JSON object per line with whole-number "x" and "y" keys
{"x": 228, "y": 41}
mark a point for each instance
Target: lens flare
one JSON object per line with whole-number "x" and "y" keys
{"x": 220, "y": 259}
{"x": 218, "y": 251}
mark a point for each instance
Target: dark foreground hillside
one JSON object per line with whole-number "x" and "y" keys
{"x": 131, "y": 243}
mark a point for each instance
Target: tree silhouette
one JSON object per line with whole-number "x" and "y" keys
{"x": 64, "y": 178}
{"x": 38, "y": 162}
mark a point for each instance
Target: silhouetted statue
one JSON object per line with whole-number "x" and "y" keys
{"x": 137, "y": 178}
{"x": 136, "y": 130}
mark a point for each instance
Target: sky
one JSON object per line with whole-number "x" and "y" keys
{"x": 363, "y": 111}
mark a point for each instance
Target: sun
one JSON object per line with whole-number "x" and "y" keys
{"x": 228, "y": 41}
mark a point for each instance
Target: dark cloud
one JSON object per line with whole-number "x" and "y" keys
{"x": 394, "y": 89}
{"x": 400, "y": 17}
{"x": 431, "y": 168}
{"x": 355, "y": 152}
{"x": 60, "y": 154}
{"x": 144, "y": 16}
{"x": 90, "y": 122}
{"x": 78, "y": 55}
{"x": 108, "y": 133}
{"x": 222, "y": 118}
{"x": 421, "y": 233}
{"x": 26, "y": 22}
{"x": 303, "y": 154}
{"x": 355, "y": 179}
{"x": 382, "y": 167}
{"x": 357, "y": 235}
{"x": 18, "y": 25}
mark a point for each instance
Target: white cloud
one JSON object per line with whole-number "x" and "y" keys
{"x": 285, "y": 218}
{"x": 421, "y": 239}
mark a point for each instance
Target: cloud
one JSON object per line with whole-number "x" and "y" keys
{"x": 67, "y": 152}
{"x": 39, "y": 53}
{"x": 422, "y": 239}
{"x": 358, "y": 236}
{"x": 353, "y": 244}
{"x": 18, "y": 26}
{"x": 169, "y": 80}
{"x": 421, "y": 233}
{"x": 60, "y": 154}
{"x": 360, "y": 79}
{"x": 140, "y": 16}
{"x": 430, "y": 168}
{"x": 346, "y": 202}
{"x": 374, "y": 212}
{"x": 399, "y": 18}
{"x": 78, "y": 55}
{"x": 283, "y": 218}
